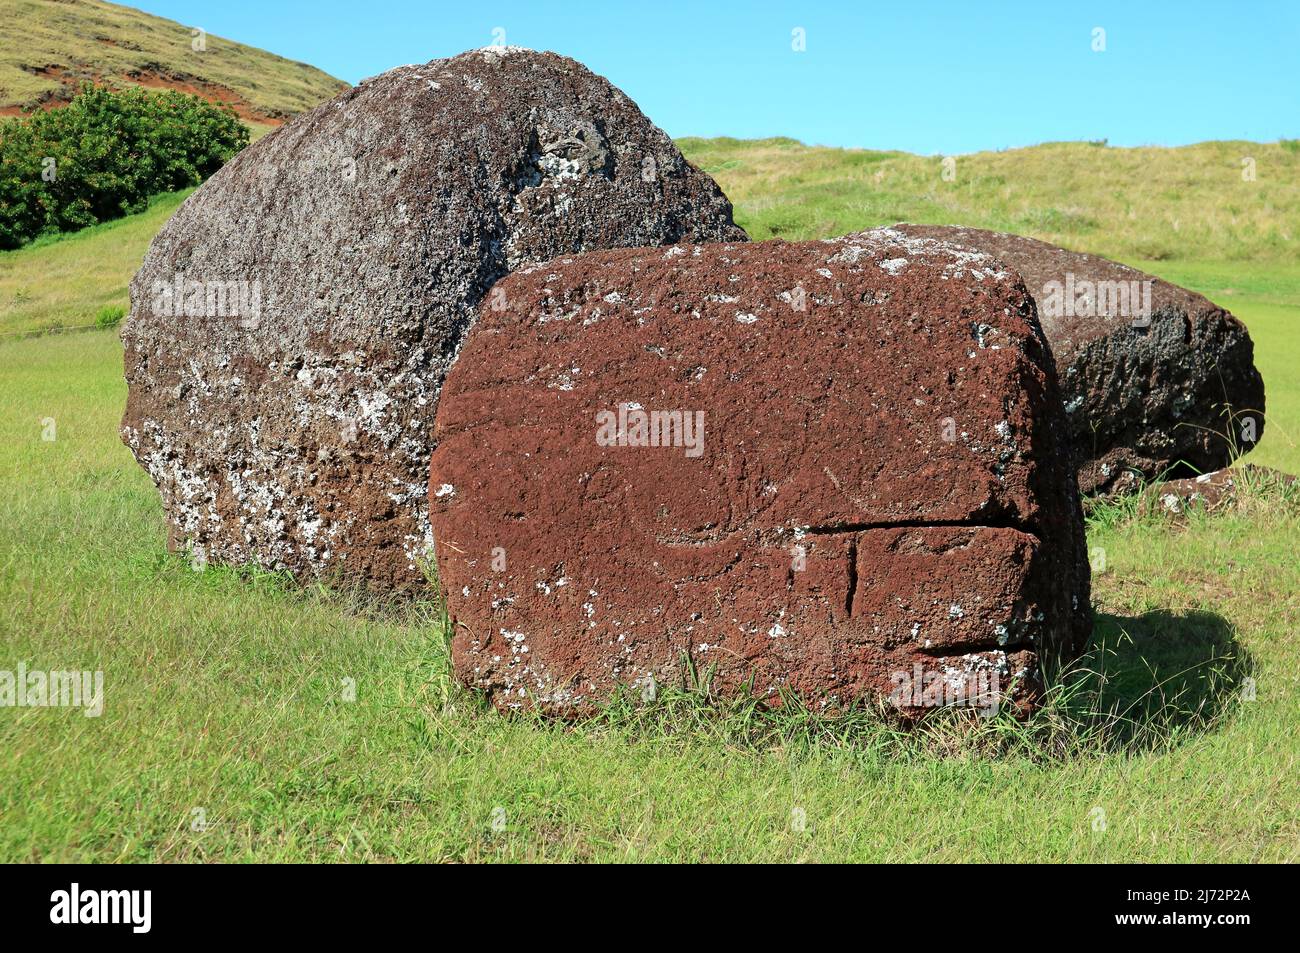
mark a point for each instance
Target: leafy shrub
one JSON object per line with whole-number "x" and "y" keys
{"x": 109, "y": 316}
{"x": 104, "y": 154}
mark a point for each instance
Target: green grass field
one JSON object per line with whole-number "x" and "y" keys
{"x": 61, "y": 282}
{"x": 227, "y": 732}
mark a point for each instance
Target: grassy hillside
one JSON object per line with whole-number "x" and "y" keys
{"x": 1133, "y": 205}
{"x": 48, "y": 46}
{"x": 62, "y": 281}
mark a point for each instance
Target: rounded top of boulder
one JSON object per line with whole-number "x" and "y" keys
{"x": 480, "y": 162}
{"x": 291, "y": 323}
{"x": 1155, "y": 376}
{"x": 1043, "y": 264}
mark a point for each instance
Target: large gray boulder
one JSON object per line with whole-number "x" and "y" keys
{"x": 1155, "y": 378}
{"x": 292, "y": 322}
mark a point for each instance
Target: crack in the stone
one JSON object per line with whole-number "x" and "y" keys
{"x": 773, "y": 535}
{"x": 840, "y": 528}
{"x": 973, "y": 648}
{"x": 853, "y": 578}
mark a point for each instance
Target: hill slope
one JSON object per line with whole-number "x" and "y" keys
{"x": 48, "y": 47}
{"x": 1136, "y": 205}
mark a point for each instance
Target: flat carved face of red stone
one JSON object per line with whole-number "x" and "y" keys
{"x": 831, "y": 468}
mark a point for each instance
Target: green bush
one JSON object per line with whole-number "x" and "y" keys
{"x": 109, "y": 316}
{"x": 104, "y": 154}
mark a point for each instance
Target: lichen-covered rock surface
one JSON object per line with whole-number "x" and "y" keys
{"x": 292, "y": 322}
{"x": 1155, "y": 377}
{"x": 1217, "y": 491}
{"x": 834, "y": 468}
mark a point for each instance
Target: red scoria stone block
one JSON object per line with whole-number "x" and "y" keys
{"x": 838, "y": 469}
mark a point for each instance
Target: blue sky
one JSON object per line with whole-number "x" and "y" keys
{"x": 942, "y": 77}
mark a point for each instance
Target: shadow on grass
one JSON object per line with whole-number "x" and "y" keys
{"x": 1149, "y": 681}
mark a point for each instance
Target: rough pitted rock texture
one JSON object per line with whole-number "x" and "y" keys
{"x": 294, "y": 431}
{"x": 880, "y": 504}
{"x": 1213, "y": 492}
{"x": 1144, "y": 393}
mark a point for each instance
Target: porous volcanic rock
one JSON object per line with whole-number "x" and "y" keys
{"x": 1148, "y": 370}
{"x": 292, "y": 322}
{"x": 1215, "y": 491}
{"x": 874, "y": 501}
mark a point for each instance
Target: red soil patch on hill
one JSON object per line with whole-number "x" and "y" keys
{"x": 70, "y": 79}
